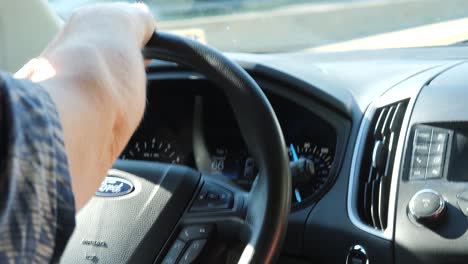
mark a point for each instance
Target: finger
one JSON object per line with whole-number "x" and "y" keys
{"x": 148, "y": 62}
{"x": 147, "y": 19}
{"x": 135, "y": 20}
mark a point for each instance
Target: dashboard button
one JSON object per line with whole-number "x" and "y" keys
{"x": 463, "y": 205}
{"x": 437, "y": 148}
{"x": 192, "y": 251}
{"x": 418, "y": 174}
{"x": 463, "y": 196}
{"x": 174, "y": 252}
{"x": 434, "y": 172}
{"x": 423, "y": 135}
{"x": 422, "y": 149}
{"x": 440, "y": 137}
{"x": 462, "y": 201}
{"x": 427, "y": 207}
{"x": 436, "y": 161}
{"x": 195, "y": 232}
{"x": 419, "y": 161}
{"x": 428, "y": 159}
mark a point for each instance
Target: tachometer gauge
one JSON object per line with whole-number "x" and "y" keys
{"x": 152, "y": 150}
{"x": 322, "y": 158}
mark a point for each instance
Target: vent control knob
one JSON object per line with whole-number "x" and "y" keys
{"x": 427, "y": 207}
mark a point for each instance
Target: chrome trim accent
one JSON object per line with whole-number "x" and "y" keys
{"x": 354, "y": 249}
{"x": 354, "y": 177}
{"x": 439, "y": 210}
{"x": 408, "y": 89}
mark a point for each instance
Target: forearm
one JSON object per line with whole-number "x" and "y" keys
{"x": 86, "y": 128}
{"x": 98, "y": 84}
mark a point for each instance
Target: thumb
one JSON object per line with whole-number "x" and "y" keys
{"x": 37, "y": 70}
{"x": 27, "y": 70}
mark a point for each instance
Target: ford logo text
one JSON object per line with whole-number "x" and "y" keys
{"x": 114, "y": 186}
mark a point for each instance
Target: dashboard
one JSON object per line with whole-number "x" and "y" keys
{"x": 190, "y": 122}
{"x": 383, "y": 134}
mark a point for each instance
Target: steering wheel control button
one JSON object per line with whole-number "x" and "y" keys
{"x": 194, "y": 232}
{"x": 192, "y": 251}
{"x": 427, "y": 207}
{"x": 212, "y": 197}
{"x": 174, "y": 253}
{"x": 201, "y": 196}
{"x": 357, "y": 255}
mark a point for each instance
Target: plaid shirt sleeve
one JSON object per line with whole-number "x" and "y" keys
{"x": 37, "y": 211}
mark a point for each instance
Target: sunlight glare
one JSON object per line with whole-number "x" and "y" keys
{"x": 37, "y": 70}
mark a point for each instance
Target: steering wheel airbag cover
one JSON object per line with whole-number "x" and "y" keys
{"x": 134, "y": 227}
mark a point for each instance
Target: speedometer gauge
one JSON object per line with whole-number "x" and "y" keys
{"x": 152, "y": 150}
{"x": 322, "y": 158}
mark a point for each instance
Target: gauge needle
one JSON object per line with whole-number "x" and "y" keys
{"x": 293, "y": 152}
{"x": 298, "y": 195}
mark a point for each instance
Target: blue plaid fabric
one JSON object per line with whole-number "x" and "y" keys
{"x": 37, "y": 211}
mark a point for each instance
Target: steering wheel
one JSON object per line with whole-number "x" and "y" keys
{"x": 147, "y": 212}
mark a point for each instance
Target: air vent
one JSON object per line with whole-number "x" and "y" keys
{"x": 375, "y": 175}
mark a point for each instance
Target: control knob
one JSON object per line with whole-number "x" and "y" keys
{"x": 427, "y": 207}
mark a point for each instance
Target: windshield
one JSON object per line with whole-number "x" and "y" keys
{"x": 265, "y": 26}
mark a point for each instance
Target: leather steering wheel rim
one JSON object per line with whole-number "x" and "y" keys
{"x": 259, "y": 127}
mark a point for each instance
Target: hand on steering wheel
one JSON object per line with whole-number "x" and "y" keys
{"x": 167, "y": 211}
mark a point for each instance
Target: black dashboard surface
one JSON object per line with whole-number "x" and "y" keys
{"x": 325, "y": 100}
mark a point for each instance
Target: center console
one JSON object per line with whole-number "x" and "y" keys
{"x": 431, "y": 224}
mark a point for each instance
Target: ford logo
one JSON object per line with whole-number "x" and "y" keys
{"x": 114, "y": 186}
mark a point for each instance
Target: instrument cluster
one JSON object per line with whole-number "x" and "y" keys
{"x": 192, "y": 124}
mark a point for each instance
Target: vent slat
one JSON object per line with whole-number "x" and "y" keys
{"x": 391, "y": 156}
{"x": 367, "y": 203}
{"x": 395, "y": 125}
{"x": 375, "y": 203}
{"x": 386, "y": 125}
{"x": 379, "y": 124}
{"x": 377, "y": 164}
{"x": 383, "y": 200}
{"x": 372, "y": 175}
